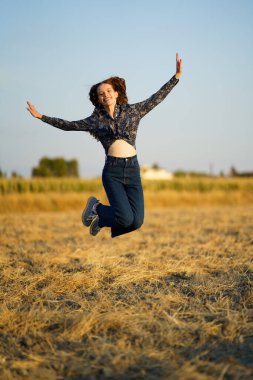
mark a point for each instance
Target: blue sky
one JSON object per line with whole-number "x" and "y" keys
{"x": 52, "y": 51}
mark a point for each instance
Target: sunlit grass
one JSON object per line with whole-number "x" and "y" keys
{"x": 20, "y": 195}
{"x": 41, "y": 185}
{"x": 170, "y": 301}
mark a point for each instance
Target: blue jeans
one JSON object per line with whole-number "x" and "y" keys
{"x": 122, "y": 183}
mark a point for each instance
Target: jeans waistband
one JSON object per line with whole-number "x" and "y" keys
{"x": 121, "y": 160}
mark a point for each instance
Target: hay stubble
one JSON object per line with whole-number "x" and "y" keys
{"x": 170, "y": 301}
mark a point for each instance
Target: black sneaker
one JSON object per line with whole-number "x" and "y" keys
{"x": 88, "y": 213}
{"x": 94, "y": 227}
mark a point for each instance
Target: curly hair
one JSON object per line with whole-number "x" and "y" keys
{"x": 118, "y": 84}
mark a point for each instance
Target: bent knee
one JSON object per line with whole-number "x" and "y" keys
{"x": 126, "y": 220}
{"x": 137, "y": 223}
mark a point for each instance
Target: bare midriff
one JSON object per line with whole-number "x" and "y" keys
{"x": 121, "y": 148}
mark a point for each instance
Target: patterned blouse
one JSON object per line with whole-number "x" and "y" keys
{"x": 123, "y": 126}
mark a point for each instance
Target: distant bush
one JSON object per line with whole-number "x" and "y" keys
{"x": 56, "y": 167}
{"x": 234, "y": 173}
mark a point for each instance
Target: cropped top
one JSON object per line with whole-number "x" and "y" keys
{"x": 123, "y": 126}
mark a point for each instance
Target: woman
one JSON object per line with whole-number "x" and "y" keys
{"x": 114, "y": 123}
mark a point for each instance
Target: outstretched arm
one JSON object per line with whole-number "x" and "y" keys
{"x": 147, "y": 105}
{"x": 79, "y": 125}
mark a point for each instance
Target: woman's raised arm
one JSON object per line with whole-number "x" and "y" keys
{"x": 147, "y": 105}
{"x": 31, "y": 108}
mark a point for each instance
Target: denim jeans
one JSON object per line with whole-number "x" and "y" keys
{"x": 122, "y": 183}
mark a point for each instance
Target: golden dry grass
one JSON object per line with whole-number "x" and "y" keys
{"x": 170, "y": 301}
{"x": 53, "y": 201}
{"x": 68, "y": 194}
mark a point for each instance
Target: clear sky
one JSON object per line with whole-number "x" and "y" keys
{"x": 52, "y": 51}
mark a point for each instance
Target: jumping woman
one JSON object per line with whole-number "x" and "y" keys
{"x": 114, "y": 123}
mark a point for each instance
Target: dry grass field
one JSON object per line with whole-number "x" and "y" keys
{"x": 67, "y": 194}
{"x": 172, "y": 300}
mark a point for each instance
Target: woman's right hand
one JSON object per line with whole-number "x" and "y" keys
{"x": 31, "y": 108}
{"x": 179, "y": 66}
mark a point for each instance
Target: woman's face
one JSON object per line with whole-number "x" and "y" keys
{"x": 106, "y": 95}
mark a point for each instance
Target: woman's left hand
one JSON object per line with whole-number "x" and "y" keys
{"x": 179, "y": 66}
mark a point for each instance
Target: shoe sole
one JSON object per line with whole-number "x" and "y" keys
{"x": 91, "y": 225}
{"x": 86, "y": 212}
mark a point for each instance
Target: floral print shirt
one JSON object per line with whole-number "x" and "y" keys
{"x": 123, "y": 126}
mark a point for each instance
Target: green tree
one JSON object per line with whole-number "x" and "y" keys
{"x": 59, "y": 167}
{"x": 55, "y": 167}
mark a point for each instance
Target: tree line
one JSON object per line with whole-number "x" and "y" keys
{"x": 60, "y": 167}
{"x": 50, "y": 167}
